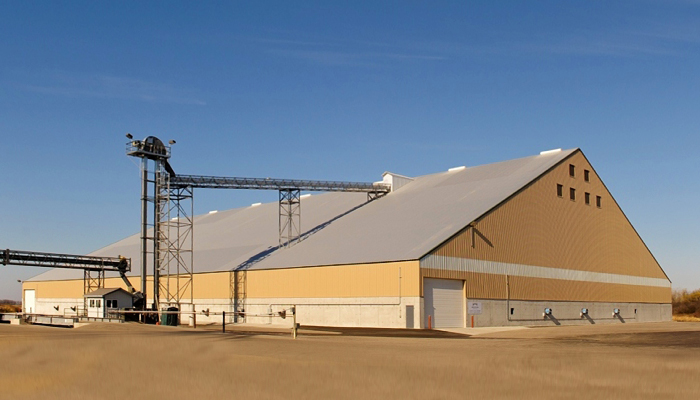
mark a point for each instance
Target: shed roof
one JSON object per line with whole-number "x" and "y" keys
{"x": 342, "y": 228}
{"x": 104, "y": 291}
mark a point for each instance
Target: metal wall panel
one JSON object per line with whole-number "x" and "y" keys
{"x": 536, "y": 227}
{"x": 496, "y": 286}
{"x": 525, "y": 288}
{"x": 478, "y": 285}
{"x": 357, "y": 280}
{"x": 539, "y": 229}
{"x": 360, "y": 280}
{"x": 533, "y": 271}
{"x": 74, "y": 288}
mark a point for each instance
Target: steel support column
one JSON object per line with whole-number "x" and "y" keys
{"x": 92, "y": 280}
{"x": 238, "y": 294}
{"x": 144, "y": 227}
{"x": 289, "y": 217}
{"x": 175, "y": 244}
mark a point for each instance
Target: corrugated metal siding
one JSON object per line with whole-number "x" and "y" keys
{"x": 360, "y": 280}
{"x": 533, "y": 271}
{"x": 72, "y": 288}
{"x": 538, "y": 228}
{"x": 357, "y": 280}
{"x": 478, "y": 285}
{"x": 524, "y": 288}
{"x": 495, "y": 286}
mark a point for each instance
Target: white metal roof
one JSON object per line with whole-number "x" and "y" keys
{"x": 103, "y": 292}
{"x": 340, "y": 228}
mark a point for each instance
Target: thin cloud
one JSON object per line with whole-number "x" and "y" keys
{"x": 341, "y": 58}
{"x": 289, "y": 42}
{"x": 343, "y": 53}
{"x": 652, "y": 40}
{"x": 113, "y": 87}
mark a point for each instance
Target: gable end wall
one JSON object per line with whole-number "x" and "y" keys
{"x": 553, "y": 248}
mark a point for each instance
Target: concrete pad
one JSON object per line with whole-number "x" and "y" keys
{"x": 483, "y": 330}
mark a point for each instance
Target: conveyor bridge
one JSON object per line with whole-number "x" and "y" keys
{"x": 93, "y": 267}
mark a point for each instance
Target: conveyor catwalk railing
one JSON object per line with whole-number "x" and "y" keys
{"x": 93, "y": 267}
{"x": 218, "y": 182}
{"x": 56, "y": 260}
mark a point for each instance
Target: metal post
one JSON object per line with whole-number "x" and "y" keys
{"x": 144, "y": 231}
{"x": 294, "y": 318}
{"x": 289, "y": 217}
{"x": 223, "y": 323}
{"x": 156, "y": 236}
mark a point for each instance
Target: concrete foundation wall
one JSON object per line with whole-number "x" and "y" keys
{"x": 374, "y": 312}
{"x": 497, "y": 313}
{"x": 406, "y": 312}
{"x": 46, "y": 306}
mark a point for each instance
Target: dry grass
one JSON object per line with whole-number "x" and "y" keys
{"x": 10, "y": 308}
{"x": 685, "y": 318}
{"x": 686, "y": 303}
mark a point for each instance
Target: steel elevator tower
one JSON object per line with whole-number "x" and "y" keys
{"x": 170, "y": 241}
{"x": 166, "y": 234}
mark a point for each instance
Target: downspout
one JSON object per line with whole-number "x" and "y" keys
{"x": 508, "y": 297}
{"x": 399, "y": 292}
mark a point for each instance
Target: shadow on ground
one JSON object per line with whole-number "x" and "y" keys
{"x": 690, "y": 339}
{"x": 379, "y": 332}
{"x": 241, "y": 332}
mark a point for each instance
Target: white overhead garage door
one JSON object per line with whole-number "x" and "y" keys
{"x": 444, "y": 303}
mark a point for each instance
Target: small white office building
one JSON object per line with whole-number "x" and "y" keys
{"x": 102, "y": 301}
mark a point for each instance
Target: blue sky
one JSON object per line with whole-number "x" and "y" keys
{"x": 341, "y": 90}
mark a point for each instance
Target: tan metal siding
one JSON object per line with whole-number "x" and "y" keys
{"x": 536, "y": 227}
{"x": 493, "y": 286}
{"x": 72, "y": 288}
{"x": 478, "y": 285}
{"x": 357, "y": 280}
{"x": 526, "y": 288}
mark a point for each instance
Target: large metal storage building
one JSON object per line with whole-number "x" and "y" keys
{"x": 510, "y": 239}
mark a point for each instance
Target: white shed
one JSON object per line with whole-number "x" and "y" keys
{"x": 101, "y": 301}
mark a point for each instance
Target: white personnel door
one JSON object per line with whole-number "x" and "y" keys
{"x": 95, "y": 308}
{"x": 29, "y": 303}
{"x": 444, "y": 302}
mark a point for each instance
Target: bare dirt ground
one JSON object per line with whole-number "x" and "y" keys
{"x": 118, "y": 361}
